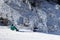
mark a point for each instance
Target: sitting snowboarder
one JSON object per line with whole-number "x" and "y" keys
{"x": 12, "y": 27}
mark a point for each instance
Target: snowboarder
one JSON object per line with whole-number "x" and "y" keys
{"x": 12, "y": 27}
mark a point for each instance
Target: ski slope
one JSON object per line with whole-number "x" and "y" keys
{"x": 7, "y": 34}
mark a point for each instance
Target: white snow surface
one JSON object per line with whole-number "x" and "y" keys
{"x": 7, "y": 34}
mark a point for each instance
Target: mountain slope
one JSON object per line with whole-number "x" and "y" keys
{"x": 39, "y": 15}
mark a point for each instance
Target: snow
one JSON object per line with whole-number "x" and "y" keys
{"x": 7, "y": 34}
{"x": 45, "y": 15}
{"x": 25, "y": 30}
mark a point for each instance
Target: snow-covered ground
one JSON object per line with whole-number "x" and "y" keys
{"x": 45, "y": 16}
{"x": 7, "y": 34}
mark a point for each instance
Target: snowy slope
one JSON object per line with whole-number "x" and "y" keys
{"x": 45, "y": 16}
{"x": 7, "y": 34}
